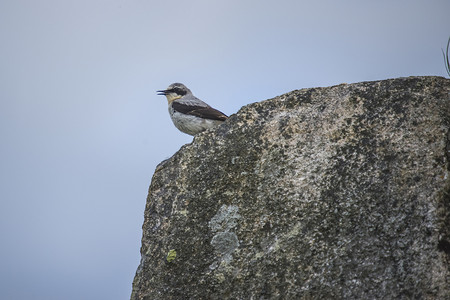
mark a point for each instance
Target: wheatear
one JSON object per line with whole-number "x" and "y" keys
{"x": 190, "y": 114}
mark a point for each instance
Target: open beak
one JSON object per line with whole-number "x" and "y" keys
{"x": 162, "y": 93}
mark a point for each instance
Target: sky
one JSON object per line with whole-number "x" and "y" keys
{"x": 82, "y": 129}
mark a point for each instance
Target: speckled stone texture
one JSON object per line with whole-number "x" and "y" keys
{"x": 324, "y": 193}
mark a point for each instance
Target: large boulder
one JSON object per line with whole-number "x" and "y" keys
{"x": 334, "y": 193}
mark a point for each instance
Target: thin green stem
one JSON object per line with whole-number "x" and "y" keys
{"x": 446, "y": 60}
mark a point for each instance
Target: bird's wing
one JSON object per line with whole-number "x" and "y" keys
{"x": 205, "y": 112}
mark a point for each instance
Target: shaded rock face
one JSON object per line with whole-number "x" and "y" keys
{"x": 337, "y": 193}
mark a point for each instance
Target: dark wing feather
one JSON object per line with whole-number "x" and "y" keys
{"x": 199, "y": 111}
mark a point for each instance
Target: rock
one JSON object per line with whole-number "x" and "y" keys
{"x": 324, "y": 193}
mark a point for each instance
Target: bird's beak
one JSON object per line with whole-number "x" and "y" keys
{"x": 162, "y": 93}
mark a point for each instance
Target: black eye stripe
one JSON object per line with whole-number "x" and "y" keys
{"x": 178, "y": 91}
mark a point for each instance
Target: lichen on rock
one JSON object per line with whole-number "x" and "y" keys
{"x": 225, "y": 241}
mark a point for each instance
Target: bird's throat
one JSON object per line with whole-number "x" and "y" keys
{"x": 171, "y": 98}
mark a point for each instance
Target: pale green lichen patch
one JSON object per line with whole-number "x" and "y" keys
{"x": 171, "y": 255}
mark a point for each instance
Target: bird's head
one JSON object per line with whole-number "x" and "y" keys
{"x": 175, "y": 91}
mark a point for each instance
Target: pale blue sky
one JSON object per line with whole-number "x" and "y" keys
{"x": 82, "y": 128}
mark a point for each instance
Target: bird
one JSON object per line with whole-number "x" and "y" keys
{"x": 188, "y": 113}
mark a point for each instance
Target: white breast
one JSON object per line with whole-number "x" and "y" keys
{"x": 191, "y": 124}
